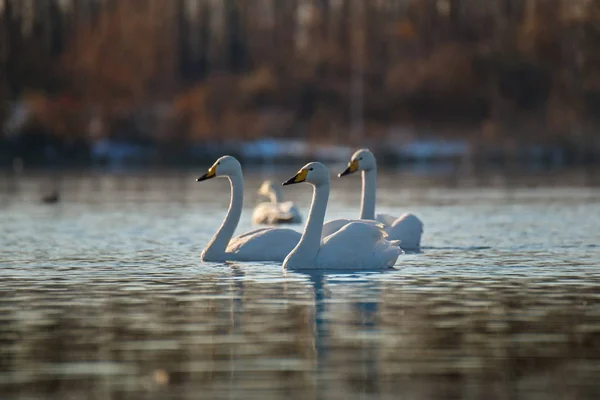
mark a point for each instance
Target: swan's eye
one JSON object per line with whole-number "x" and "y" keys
{"x": 219, "y": 163}
{"x": 310, "y": 169}
{"x": 359, "y": 158}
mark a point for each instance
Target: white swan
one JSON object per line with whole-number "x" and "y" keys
{"x": 408, "y": 228}
{"x": 266, "y": 244}
{"x": 276, "y": 211}
{"x": 358, "y": 245}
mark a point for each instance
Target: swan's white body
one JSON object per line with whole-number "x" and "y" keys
{"x": 276, "y": 211}
{"x": 330, "y": 227}
{"x": 407, "y": 228}
{"x": 265, "y": 244}
{"x": 356, "y": 245}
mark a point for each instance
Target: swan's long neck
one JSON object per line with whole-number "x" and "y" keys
{"x": 275, "y": 195}
{"x": 369, "y": 187}
{"x": 219, "y": 242}
{"x": 307, "y": 248}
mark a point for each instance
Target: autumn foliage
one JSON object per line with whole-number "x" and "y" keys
{"x": 524, "y": 70}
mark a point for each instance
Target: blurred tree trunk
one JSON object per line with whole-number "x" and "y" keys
{"x": 14, "y": 41}
{"x": 358, "y": 72}
{"x": 284, "y": 31}
{"x": 184, "y": 33}
{"x": 530, "y": 13}
{"x": 4, "y": 49}
{"x": 56, "y": 35}
{"x": 236, "y": 45}
{"x": 325, "y": 8}
{"x": 515, "y": 10}
{"x": 193, "y": 40}
{"x": 203, "y": 63}
{"x": 344, "y": 28}
{"x": 456, "y": 12}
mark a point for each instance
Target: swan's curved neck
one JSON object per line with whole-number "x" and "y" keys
{"x": 218, "y": 244}
{"x": 275, "y": 195}
{"x": 306, "y": 250}
{"x": 369, "y": 187}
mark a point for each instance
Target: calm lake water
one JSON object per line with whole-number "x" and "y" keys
{"x": 103, "y": 295}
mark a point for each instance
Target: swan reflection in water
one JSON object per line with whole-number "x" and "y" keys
{"x": 321, "y": 295}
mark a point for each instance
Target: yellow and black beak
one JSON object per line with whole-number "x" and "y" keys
{"x": 299, "y": 177}
{"x": 212, "y": 172}
{"x": 352, "y": 168}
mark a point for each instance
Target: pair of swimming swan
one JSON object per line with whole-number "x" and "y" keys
{"x": 346, "y": 244}
{"x": 275, "y": 211}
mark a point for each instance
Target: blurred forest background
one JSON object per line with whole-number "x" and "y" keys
{"x": 172, "y": 80}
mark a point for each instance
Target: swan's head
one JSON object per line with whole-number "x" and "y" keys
{"x": 362, "y": 160}
{"x": 266, "y": 188}
{"x": 314, "y": 173}
{"x": 223, "y": 167}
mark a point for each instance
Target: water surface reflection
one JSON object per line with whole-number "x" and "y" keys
{"x": 259, "y": 333}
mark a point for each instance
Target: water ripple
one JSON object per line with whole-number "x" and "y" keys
{"x": 106, "y": 297}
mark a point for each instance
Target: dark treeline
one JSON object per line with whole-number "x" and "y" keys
{"x": 500, "y": 72}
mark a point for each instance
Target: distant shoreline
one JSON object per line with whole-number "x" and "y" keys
{"x": 270, "y": 151}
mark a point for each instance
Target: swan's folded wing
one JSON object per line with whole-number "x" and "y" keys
{"x": 244, "y": 236}
{"x": 333, "y": 226}
{"x": 266, "y": 244}
{"x": 359, "y": 245}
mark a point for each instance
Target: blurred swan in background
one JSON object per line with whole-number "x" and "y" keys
{"x": 407, "y": 228}
{"x": 275, "y": 211}
{"x": 265, "y": 244}
{"x": 357, "y": 245}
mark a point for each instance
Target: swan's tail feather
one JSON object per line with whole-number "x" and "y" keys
{"x": 389, "y": 253}
{"x": 395, "y": 242}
